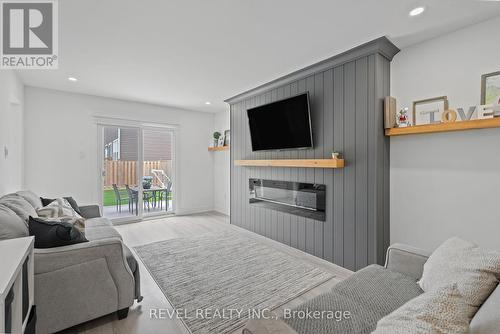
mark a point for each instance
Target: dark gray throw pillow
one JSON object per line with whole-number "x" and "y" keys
{"x": 71, "y": 201}
{"x": 50, "y": 234}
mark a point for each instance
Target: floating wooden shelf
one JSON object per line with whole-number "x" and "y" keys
{"x": 445, "y": 127}
{"x": 219, "y": 148}
{"x": 304, "y": 163}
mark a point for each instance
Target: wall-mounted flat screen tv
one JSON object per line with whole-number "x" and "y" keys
{"x": 281, "y": 125}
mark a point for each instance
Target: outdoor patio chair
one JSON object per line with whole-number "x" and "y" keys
{"x": 120, "y": 197}
{"x": 132, "y": 198}
{"x": 164, "y": 196}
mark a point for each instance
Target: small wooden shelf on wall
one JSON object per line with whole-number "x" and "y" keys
{"x": 445, "y": 127}
{"x": 218, "y": 148}
{"x": 301, "y": 163}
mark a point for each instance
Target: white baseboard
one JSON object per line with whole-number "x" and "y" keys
{"x": 221, "y": 210}
{"x": 191, "y": 211}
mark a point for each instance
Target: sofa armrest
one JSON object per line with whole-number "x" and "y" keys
{"x": 111, "y": 250}
{"x": 406, "y": 260}
{"x": 90, "y": 211}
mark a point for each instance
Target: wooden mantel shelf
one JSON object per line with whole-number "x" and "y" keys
{"x": 218, "y": 148}
{"x": 445, "y": 127}
{"x": 302, "y": 163}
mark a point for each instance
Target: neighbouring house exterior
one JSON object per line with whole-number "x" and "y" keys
{"x": 121, "y": 155}
{"x": 121, "y": 144}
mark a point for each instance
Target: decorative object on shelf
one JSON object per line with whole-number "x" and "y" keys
{"x": 147, "y": 182}
{"x": 221, "y": 140}
{"x": 449, "y": 116}
{"x": 389, "y": 112}
{"x": 495, "y": 109}
{"x": 490, "y": 88}
{"x": 402, "y": 120}
{"x": 227, "y": 137}
{"x": 335, "y": 155}
{"x": 429, "y": 111}
{"x": 469, "y": 115}
{"x": 479, "y": 112}
{"x": 484, "y": 111}
{"x": 217, "y": 134}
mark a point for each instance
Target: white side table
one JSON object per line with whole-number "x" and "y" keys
{"x": 16, "y": 284}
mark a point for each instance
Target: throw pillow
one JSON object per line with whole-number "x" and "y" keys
{"x": 441, "y": 311}
{"x": 50, "y": 234}
{"x": 60, "y": 207}
{"x": 71, "y": 201}
{"x": 475, "y": 271}
{"x": 79, "y": 223}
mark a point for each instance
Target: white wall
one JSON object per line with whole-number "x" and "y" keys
{"x": 446, "y": 184}
{"x": 11, "y": 132}
{"x": 61, "y": 145}
{"x": 222, "y": 161}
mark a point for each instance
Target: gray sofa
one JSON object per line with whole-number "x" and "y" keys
{"x": 76, "y": 283}
{"x": 370, "y": 294}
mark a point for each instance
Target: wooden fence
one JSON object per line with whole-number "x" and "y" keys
{"x": 125, "y": 172}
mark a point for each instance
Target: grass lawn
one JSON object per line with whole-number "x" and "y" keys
{"x": 109, "y": 199}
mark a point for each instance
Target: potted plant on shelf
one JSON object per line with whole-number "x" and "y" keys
{"x": 217, "y": 134}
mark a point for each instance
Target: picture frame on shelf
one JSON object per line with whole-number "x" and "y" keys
{"x": 227, "y": 137}
{"x": 429, "y": 111}
{"x": 221, "y": 141}
{"x": 389, "y": 112}
{"x": 490, "y": 88}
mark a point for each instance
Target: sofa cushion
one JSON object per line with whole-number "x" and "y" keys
{"x": 20, "y": 206}
{"x": 31, "y": 198}
{"x": 101, "y": 232}
{"x": 368, "y": 295}
{"x": 100, "y": 221}
{"x": 476, "y": 271}
{"x": 440, "y": 311}
{"x": 49, "y": 234}
{"x": 11, "y": 225}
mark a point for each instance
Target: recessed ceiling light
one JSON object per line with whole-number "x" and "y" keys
{"x": 207, "y": 103}
{"x": 72, "y": 79}
{"x": 417, "y": 11}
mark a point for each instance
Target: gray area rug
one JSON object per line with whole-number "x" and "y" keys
{"x": 226, "y": 272}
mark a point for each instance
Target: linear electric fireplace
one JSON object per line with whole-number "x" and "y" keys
{"x": 296, "y": 198}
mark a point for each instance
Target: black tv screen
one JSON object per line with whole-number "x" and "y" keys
{"x": 281, "y": 125}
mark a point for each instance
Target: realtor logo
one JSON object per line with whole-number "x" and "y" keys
{"x": 29, "y": 34}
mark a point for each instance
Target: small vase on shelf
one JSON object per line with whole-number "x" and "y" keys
{"x": 335, "y": 155}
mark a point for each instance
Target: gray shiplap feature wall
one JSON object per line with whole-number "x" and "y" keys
{"x": 346, "y": 100}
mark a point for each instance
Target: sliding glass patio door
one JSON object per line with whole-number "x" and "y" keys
{"x": 137, "y": 171}
{"x": 120, "y": 170}
{"x": 157, "y": 177}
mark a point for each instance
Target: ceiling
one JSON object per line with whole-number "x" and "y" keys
{"x": 183, "y": 53}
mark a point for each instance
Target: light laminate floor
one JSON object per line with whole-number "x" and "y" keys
{"x": 138, "y": 320}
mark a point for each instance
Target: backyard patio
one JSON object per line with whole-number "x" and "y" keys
{"x": 121, "y": 192}
{"x": 152, "y": 205}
